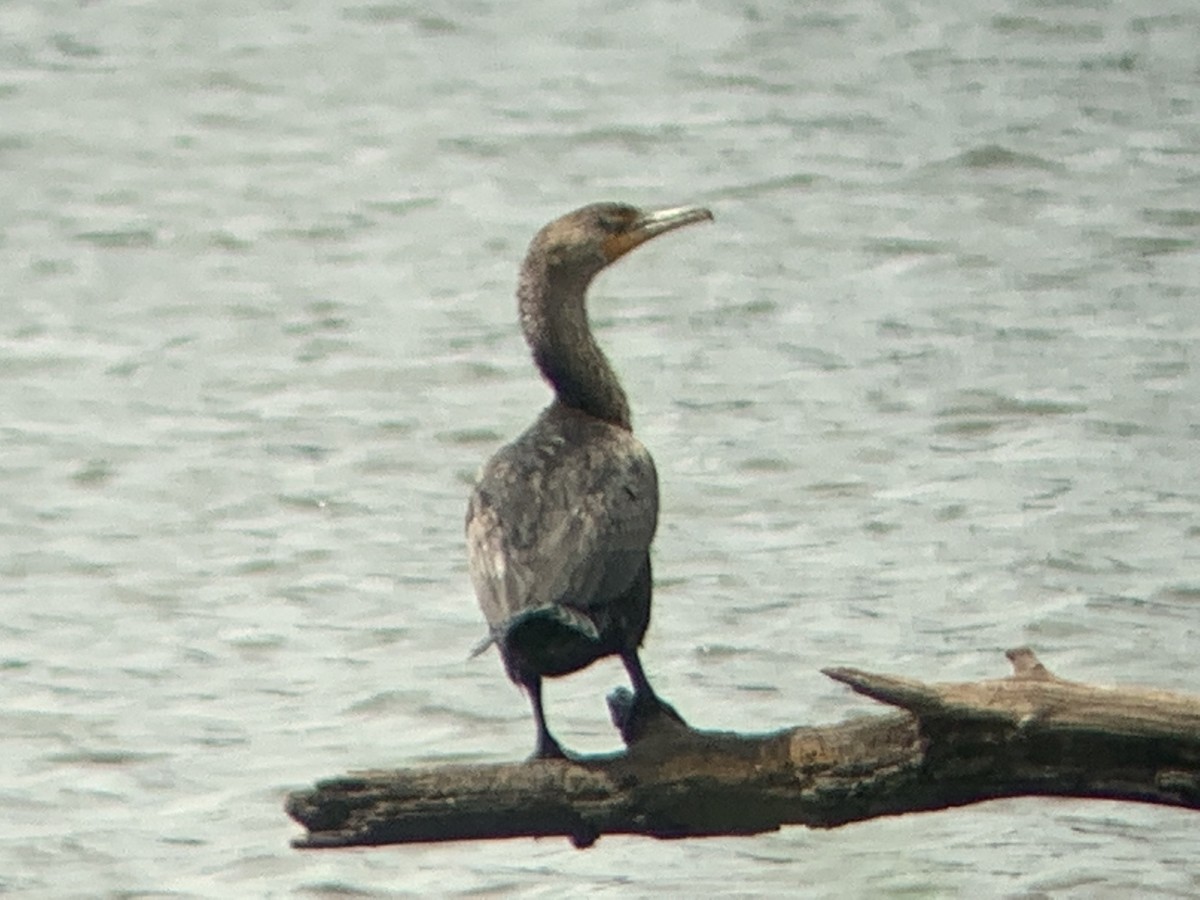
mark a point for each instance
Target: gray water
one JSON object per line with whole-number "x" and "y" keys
{"x": 926, "y": 390}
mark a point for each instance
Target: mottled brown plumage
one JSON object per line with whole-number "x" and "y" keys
{"x": 560, "y": 523}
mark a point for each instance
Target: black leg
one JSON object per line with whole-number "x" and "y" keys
{"x": 547, "y": 746}
{"x": 637, "y": 675}
{"x": 645, "y": 701}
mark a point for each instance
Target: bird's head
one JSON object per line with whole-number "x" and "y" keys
{"x": 581, "y": 243}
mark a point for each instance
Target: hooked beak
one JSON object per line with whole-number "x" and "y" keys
{"x": 650, "y": 225}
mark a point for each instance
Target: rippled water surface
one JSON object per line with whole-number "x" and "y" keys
{"x": 927, "y": 389}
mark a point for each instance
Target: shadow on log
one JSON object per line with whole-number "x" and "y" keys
{"x": 1028, "y": 734}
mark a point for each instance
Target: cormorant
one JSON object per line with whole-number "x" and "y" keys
{"x": 560, "y": 522}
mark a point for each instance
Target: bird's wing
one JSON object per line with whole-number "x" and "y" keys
{"x": 569, "y": 526}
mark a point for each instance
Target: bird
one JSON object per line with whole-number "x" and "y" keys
{"x": 560, "y": 521}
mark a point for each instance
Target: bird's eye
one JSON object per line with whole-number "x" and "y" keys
{"x": 612, "y": 223}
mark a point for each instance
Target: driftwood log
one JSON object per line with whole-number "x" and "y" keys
{"x": 1028, "y": 734}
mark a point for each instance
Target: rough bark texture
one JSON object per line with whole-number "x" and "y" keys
{"x": 1028, "y": 734}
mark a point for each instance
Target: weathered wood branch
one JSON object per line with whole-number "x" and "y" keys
{"x": 1028, "y": 734}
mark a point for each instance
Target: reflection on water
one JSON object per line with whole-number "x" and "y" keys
{"x": 925, "y": 392}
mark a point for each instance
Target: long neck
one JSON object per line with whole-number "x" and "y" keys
{"x": 554, "y": 319}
